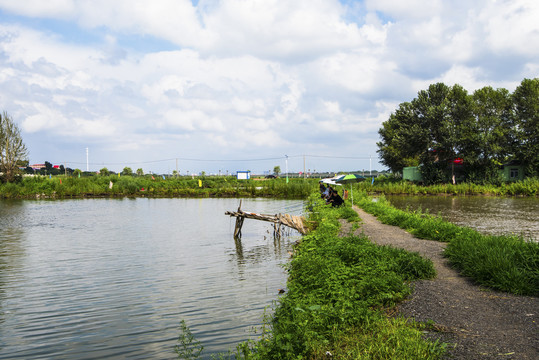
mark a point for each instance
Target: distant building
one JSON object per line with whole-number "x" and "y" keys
{"x": 412, "y": 173}
{"x": 243, "y": 175}
{"x": 38, "y": 166}
{"x": 512, "y": 171}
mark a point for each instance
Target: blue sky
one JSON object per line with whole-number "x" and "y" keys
{"x": 237, "y": 85}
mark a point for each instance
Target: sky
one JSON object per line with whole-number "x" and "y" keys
{"x": 226, "y": 85}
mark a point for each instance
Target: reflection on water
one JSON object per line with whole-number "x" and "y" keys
{"x": 113, "y": 278}
{"x": 489, "y": 215}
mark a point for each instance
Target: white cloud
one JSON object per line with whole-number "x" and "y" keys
{"x": 247, "y": 77}
{"x": 511, "y": 26}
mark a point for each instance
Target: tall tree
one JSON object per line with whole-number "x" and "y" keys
{"x": 485, "y": 140}
{"x": 12, "y": 148}
{"x": 403, "y": 139}
{"x": 433, "y": 109}
{"x": 526, "y": 121}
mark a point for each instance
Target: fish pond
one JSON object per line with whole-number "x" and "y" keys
{"x": 486, "y": 214}
{"x": 114, "y": 278}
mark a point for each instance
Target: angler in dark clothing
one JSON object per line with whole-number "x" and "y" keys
{"x": 335, "y": 199}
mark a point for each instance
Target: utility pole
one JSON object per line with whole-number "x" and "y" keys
{"x": 286, "y": 169}
{"x": 87, "y": 168}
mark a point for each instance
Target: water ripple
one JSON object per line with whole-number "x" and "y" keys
{"x": 106, "y": 278}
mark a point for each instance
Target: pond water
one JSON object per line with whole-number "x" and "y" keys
{"x": 114, "y": 278}
{"x": 486, "y": 214}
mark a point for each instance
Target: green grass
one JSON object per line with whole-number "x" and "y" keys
{"x": 99, "y": 186}
{"x": 229, "y": 186}
{"x": 337, "y": 291}
{"x": 506, "y": 263}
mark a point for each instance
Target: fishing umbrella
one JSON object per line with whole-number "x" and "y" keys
{"x": 350, "y": 179}
{"x": 331, "y": 181}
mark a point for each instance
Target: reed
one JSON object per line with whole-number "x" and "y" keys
{"x": 148, "y": 186}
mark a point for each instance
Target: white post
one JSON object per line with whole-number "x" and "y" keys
{"x": 304, "y": 176}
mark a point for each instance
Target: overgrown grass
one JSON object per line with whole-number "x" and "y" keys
{"x": 228, "y": 186}
{"x": 526, "y": 187}
{"x": 148, "y": 186}
{"x": 338, "y": 289}
{"x": 507, "y": 263}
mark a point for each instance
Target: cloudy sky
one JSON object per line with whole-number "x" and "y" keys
{"x": 227, "y": 85}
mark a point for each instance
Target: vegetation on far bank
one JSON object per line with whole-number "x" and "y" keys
{"x": 60, "y": 186}
{"x": 394, "y": 186}
{"x": 153, "y": 186}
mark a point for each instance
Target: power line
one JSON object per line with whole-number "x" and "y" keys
{"x": 224, "y": 160}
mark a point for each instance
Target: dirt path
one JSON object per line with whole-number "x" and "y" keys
{"x": 478, "y": 323}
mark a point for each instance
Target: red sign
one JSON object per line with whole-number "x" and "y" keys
{"x": 458, "y": 161}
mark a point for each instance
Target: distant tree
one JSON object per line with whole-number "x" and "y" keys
{"x": 277, "y": 170}
{"x": 127, "y": 171}
{"x": 140, "y": 172}
{"x": 48, "y": 167}
{"x": 12, "y": 148}
{"x": 77, "y": 172}
{"x": 104, "y": 172}
{"x": 175, "y": 172}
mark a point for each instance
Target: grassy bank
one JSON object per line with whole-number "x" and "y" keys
{"x": 229, "y": 186}
{"x": 383, "y": 185}
{"x": 506, "y": 263}
{"x": 113, "y": 186}
{"x": 338, "y": 291}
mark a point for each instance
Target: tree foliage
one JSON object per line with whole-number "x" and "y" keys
{"x": 12, "y": 149}
{"x": 526, "y": 124}
{"x": 127, "y": 171}
{"x": 485, "y": 129}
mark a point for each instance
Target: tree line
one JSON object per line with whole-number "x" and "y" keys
{"x": 483, "y": 130}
